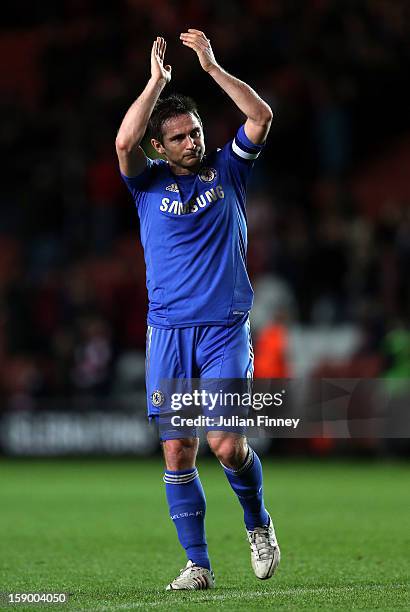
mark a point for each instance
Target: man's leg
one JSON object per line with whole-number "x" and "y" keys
{"x": 186, "y": 499}
{"x": 243, "y": 470}
{"x": 226, "y": 360}
{"x": 170, "y": 358}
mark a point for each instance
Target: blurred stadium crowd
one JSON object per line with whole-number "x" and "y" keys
{"x": 329, "y": 215}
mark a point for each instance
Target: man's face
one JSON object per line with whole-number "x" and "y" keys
{"x": 182, "y": 143}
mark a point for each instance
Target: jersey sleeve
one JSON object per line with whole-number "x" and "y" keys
{"x": 139, "y": 185}
{"x": 241, "y": 153}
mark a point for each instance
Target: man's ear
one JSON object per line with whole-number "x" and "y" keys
{"x": 157, "y": 146}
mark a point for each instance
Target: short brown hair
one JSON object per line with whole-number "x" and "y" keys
{"x": 166, "y": 108}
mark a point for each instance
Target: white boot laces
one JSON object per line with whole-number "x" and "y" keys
{"x": 261, "y": 543}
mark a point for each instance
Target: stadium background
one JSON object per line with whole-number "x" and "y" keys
{"x": 329, "y": 217}
{"x": 329, "y": 233}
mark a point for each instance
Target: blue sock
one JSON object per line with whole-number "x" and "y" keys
{"x": 248, "y": 485}
{"x": 187, "y": 505}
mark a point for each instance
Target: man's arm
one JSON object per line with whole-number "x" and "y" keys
{"x": 259, "y": 114}
{"x": 130, "y": 155}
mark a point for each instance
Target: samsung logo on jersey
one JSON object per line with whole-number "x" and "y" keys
{"x": 178, "y": 208}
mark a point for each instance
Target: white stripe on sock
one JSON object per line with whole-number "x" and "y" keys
{"x": 246, "y": 465}
{"x": 180, "y": 478}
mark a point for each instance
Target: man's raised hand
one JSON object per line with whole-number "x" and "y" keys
{"x": 196, "y": 40}
{"x": 158, "y": 70}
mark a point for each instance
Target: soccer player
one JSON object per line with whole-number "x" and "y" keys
{"x": 193, "y": 230}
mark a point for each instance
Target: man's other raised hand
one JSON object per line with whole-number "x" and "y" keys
{"x": 196, "y": 40}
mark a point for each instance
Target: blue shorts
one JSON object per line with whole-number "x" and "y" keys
{"x": 205, "y": 352}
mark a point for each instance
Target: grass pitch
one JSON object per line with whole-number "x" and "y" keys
{"x": 100, "y": 531}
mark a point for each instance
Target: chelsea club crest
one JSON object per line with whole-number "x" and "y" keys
{"x": 157, "y": 398}
{"x": 207, "y": 175}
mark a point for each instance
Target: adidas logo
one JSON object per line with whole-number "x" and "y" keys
{"x": 173, "y": 187}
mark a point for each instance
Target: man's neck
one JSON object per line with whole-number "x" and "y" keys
{"x": 181, "y": 171}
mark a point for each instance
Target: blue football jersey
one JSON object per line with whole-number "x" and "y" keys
{"x": 194, "y": 235}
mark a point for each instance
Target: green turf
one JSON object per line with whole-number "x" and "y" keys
{"x": 100, "y": 531}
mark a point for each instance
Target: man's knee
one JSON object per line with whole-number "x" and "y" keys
{"x": 180, "y": 454}
{"x": 230, "y": 449}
